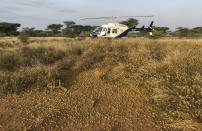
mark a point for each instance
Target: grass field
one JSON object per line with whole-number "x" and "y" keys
{"x": 100, "y": 84}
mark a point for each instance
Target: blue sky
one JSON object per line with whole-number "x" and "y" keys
{"x": 40, "y": 13}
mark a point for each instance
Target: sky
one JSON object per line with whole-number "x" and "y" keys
{"x": 40, "y": 13}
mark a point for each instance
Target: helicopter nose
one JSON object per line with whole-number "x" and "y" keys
{"x": 93, "y": 34}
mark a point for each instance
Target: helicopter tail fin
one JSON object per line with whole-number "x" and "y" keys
{"x": 151, "y": 24}
{"x": 134, "y": 27}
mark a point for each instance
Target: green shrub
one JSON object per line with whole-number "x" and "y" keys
{"x": 23, "y": 37}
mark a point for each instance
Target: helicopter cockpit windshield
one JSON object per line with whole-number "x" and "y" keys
{"x": 98, "y": 30}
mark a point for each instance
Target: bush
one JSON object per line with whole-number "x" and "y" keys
{"x": 27, "y": 78}
{"x": 29, "y": 57}
{"x": 23, "y": 37}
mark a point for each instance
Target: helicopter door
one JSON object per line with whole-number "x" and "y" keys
{"x": 103, "y": 32}
{"x": 108, "y": 32}
{"x": 114, "y": 32}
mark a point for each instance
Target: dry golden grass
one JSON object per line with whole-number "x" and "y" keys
{"x": 99, "y": 84}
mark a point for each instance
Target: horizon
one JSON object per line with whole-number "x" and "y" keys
{"x": 40, "y": 13}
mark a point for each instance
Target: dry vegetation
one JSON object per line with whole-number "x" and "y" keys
{"x": 124, "y": 84}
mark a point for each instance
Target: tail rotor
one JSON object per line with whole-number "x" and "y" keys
{"x": 150, "y": 28}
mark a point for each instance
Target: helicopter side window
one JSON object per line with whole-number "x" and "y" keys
{"x": 114, "y": 31}
{"x": 109, "y": 30}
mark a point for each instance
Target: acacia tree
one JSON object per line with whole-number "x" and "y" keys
{"x": 182, "y": 32}
{"x": 68, "y": 31}
{"x": 29, "y": 31}
{"x": 55, "y": 28}
{"x": 130, "y": 22}
{"x": 196, "y": 32}
{"x": 9, "y": 28}
{"x": 162, "y": 29}
{"x": 73, "y": 30}
{"x": 69, "y": 24}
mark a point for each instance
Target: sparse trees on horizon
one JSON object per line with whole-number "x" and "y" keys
{"x": 71, "y": 29}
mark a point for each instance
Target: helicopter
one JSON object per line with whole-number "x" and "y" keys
{"x": 117, "y": 30}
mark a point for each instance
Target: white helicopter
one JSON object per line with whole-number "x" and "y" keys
{"x": 117, "y": 30}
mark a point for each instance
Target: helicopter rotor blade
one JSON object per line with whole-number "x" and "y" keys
{"x": 112, "y": 17}
{"x": 136, "y": 16}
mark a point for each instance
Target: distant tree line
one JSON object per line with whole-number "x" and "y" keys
{"x": 71, "y": 29}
